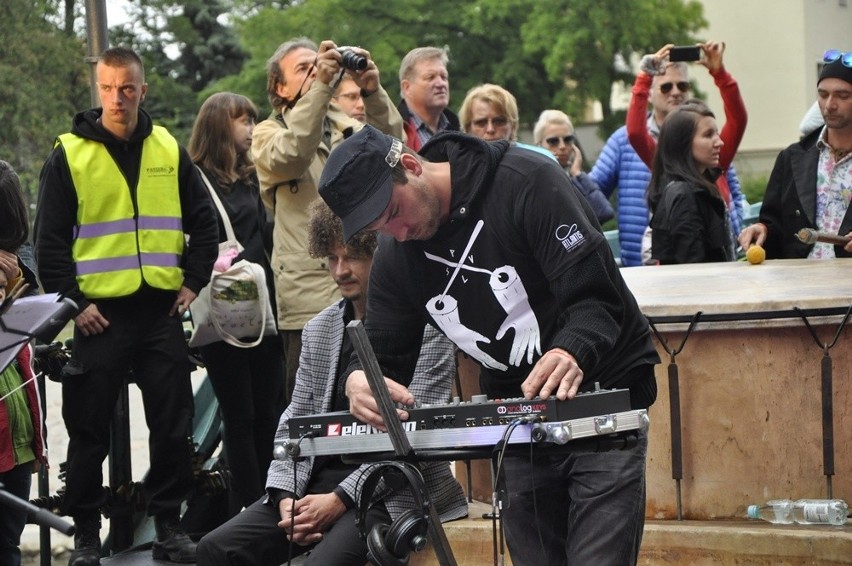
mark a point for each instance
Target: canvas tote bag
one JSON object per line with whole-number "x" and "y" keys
{"x": 235, "y": 304}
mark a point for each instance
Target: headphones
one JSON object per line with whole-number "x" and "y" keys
{"x": 390, "y": 545}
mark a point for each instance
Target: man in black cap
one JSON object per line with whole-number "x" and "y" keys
{"x": 809, "y": 185}
{"x": 488, "y": 243}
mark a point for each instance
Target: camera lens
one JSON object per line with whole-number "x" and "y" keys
{"x": 352, "y": 60}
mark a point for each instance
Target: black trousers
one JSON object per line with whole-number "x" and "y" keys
{"x": 249, "y": 385}
{"x": 17, "y": 482}
{"x": 142, "y": 340}
{"x": 292, "y": 343}
{"x": 253, "y": 538}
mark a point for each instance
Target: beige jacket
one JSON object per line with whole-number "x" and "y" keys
{"x": 289, "y": 153}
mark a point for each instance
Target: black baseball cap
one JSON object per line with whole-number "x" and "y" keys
{"x": 356, "y": 182}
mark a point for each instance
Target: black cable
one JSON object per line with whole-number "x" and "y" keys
{"x": 359, "y": 483}
{"x": 291, "y": 104}
{"x": 495, "y": 514}
{"x": 535, "y": 502}
{"x": 501, "y": 447}
{"x": 294, "y": 455}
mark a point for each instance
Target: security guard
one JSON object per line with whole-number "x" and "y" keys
{"x": 118, "y": 200}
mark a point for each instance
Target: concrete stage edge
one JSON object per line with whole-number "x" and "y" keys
{"x": 750, "y": 378}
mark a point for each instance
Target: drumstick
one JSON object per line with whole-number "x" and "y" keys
{"x": 811, "y": 236}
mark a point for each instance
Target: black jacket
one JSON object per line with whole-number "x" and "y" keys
{"x": 690, "y": 226}
{"x": 789, "y": 203}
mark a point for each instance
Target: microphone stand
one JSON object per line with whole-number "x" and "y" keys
{"x": 44, "y": 328}
{"x": 37, "y": 515}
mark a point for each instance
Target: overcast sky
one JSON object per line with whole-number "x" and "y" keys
{"x": 115, "y": 12}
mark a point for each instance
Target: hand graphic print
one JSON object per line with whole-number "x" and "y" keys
{"x": 445, "y": 313}
{"x": 510, "y": 293}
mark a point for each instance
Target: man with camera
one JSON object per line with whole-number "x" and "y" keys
{"x": 290, "y": 149}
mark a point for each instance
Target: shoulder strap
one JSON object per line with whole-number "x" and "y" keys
{"x": 229, "y": 231}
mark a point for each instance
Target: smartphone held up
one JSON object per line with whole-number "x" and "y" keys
{"x": 684, "y": 53}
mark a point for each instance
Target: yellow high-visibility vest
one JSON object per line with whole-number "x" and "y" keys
{"x": 124, "y": 237}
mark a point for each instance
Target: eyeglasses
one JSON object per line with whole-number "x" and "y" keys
{"x": 498, "y": 122}
{"x": 833, "y": 55}
{"x": 682, "y": 86}
{"x": 350, "y": 96}
{"x": 554, "y": 141}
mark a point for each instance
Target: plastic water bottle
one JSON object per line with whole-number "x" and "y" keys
{"x": 777, "y": 511}
{"x": 802, "y": 511}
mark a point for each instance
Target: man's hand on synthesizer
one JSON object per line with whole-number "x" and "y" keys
{"x": 556, "y": 371}
{"x": 364, "y": 406}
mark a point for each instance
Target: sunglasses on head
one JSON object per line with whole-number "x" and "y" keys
{"x": 498, "y": 122}
{"x": 833, "y": 55}
{"x": 554, "y": 141}
{"x": 682, "y": 86}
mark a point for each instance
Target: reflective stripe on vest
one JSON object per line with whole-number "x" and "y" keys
{"x": 121, "y": 241}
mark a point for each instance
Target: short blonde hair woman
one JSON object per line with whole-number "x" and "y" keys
{"x": 489, "y": 112}
{"x": 555, "y": 132}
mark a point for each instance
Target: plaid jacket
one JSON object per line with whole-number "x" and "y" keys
{"x": 313, "y": 393}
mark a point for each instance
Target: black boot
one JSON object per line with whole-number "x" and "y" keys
{"x": 87, "y": 542}
{"x": 172, "y": 543}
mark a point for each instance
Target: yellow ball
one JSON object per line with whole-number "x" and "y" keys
{"x": 755, "y": 254}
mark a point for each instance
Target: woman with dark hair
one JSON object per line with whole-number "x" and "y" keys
{"x": 22, "y": 446}
{"x": 249, "y": 382}
{"x": 689, "y": 220}
{"x": 14, "y": 223}
{"x": 14, "y": 230}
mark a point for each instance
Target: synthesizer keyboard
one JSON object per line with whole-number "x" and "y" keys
{"x": 466, "y": 425}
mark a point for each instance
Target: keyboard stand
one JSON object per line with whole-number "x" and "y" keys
{"x": 399, "y": 440}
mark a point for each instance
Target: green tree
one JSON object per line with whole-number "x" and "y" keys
{"x": 45, "y": 83}
{"x": 389, "y": 30}
{"x": 580, "y": 42}
{"x": 186, "y": 45}
{"x": 557, "y": 54}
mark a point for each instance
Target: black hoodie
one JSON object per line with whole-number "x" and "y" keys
{"x": 519, "y": 268}
{"x": 56, "y": 216}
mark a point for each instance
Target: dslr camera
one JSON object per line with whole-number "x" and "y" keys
{"x": 351, "y": 60}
